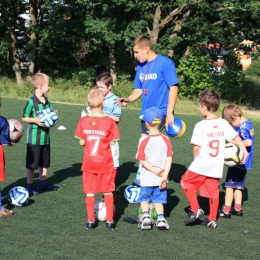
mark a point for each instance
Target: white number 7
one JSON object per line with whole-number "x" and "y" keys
{"x": 96, "y": 140}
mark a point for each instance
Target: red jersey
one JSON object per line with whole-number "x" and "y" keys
{"x": 97, "y": 131}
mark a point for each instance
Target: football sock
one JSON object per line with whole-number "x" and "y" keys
{"x": 109, "y": 201}
{"x": 226, "y": 208}
{"x": 213, "y": 208}
{"x": 90, "y": 202}
{"x": 192, "y": 198}
{"x": 238, "y": 207}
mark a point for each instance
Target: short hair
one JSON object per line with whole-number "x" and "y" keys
{"x": 106, "y": 78}
{"x": 231, "y": 111}
{"x": 38, "y": 78}
{"x": 210, "y": 99}
{"x": 95, "y": 98}
{"x": 142, "y": 41}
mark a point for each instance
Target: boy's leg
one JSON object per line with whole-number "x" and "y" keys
{"x": 3, "y": 210}
{"x": 43, "y": 185}
{"x": 29, "y": 177}
{"x": 90, "y": 211}
{"x": 109, "y": 201}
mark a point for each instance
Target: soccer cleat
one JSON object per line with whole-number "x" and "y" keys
{"x": 32, "y": 190}
{"x": 223, "y": 214}
{"x": 43, "y": 185}
{"x": 91, "y": 225}
{"x": 145, "y": 223}
{"x": 237, "y": 213}
{"x": 192, "y": 216}
{"x": 162, "y": 224}
{"x": 110, "y": 225}
{"x": 5, "y": 212}
{"x": 210, "y": 224}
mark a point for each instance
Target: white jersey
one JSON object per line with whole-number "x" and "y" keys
{"x": 210, "y": 136}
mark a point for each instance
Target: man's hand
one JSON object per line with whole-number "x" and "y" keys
{"x": 122, "y": 102}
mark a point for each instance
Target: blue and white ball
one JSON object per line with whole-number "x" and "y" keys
{"x": 18, "y": 196}
{"x": 49, "y": 117}
{"x": 132, "y": 193}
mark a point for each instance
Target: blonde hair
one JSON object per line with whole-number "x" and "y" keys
{"x": 210, "y": 99}
{"x": 95, "y": 98}
{"x": 231, "y": 111}
{"x": 142, "y": 41}
{"x": 38, "y": 79}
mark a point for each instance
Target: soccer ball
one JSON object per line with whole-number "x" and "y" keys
{"x": 100, "y": 211}
{"x": 132, "y": 193}
{"x": 233, "y": 155}
{"x": 15, "y": 130}
{"x": 177, "y": 129}
{"x": 85, "y": 111}
{"x": 18, "y": 196}
{"x": 49, "y": 117}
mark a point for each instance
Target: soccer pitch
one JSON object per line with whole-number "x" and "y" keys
{"x": 53, "y": 224}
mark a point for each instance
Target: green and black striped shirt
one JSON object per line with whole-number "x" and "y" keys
{"x": 36, "y": 134}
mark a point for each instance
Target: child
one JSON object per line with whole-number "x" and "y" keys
{"x": 96, "y": 132}
{"x": 155, "y": 156}
{"x": 38, "y": 136}
{"x": 236, "y": 176}
{"x": 204, "y": 173}
{"x": 4, "y": 140}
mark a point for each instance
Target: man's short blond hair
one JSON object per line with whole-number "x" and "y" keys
{"x": 142, "y": 41}
{"x": 39, "y": 79}
{"x": 95, "y": 98}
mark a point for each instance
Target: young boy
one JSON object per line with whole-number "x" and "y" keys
{"x": 4, "y": 140}
{"x": 155, "y": 156}
{"x": 38, "y": 136}
{"x": 204, "y": 173}
{"x": 97, "y": 132}
{"x": 236, "y": 176}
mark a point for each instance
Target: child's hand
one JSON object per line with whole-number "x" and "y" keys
{"x": 243, "y": 161}
{"x": 56, "y": 111}
{"x": 159, "y": 172}
{"x": 13, "y": 143}
{"x": 82, "y": 142}
{"x": 163, "y": 183}
{"x": 38, "y": 122}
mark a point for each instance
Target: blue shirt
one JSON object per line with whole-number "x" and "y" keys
{"x": 155, "y": 79}
{"x": 110, "y": 108}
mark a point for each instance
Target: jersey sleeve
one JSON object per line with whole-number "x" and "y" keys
{"x": 79, "y": 131}
{"x": 137, "y": 82}
{"x": 196, "y": 138}
{"x": 140, "y": 155}
{"x": 169, "y": 146}
{"x": 4, "y": 131}
{"x": 27, "y": 111}
{"x": 169, "y": 72}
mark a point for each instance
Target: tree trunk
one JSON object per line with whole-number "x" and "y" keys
{"x": 154, "y": 34}
{"x": 112, "y": 60}
{"x": 17, "y": 61}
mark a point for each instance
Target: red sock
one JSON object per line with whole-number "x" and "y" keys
{"x": 192, "y": 198}
{"x": 213, "y": 208}
{"x": 238, "y": 207}
{"x": 226, "y": 208}
{"x": 109, "y": 201}
{"x": 90, "y": 202}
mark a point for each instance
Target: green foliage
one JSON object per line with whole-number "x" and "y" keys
{"x": 194, "y": 76}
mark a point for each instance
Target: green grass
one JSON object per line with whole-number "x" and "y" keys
{"x": 53, "y": 224}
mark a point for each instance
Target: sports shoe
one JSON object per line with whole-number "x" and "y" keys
{"x": 237, "y": 213}
{"x": 43, "y": 185}
{"x": 91, "y": 225}
{"x": 32, "y": 190}
{"x": 5, "y": 212}
{"x": 145, "y": 223}
{"x": 162, "y": 224}
{"x": 192, "y": 216}
{"x": 223, "y": 214}
{"x": 110, "y": 225}
{"x": 210, "y": 224}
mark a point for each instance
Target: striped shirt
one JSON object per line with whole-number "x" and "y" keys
{"x": 36, "y": 134}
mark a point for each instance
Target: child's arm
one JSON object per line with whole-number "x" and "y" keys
{"x": 115, "y": 118}
{"x": 163, "y": 181}
{"x": 35, "y": 120}
{"x": 238, "y": 141}
{"x": 152, "y": 169}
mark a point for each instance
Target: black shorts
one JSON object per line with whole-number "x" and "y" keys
{"x": 38, "y": 156}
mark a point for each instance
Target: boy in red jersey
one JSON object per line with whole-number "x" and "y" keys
{"x": 96, "y": 132}
{"x": 208, "y": 140}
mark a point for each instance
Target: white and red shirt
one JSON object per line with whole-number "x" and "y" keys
{"x": 97, "y": 131}
{"x": 210, "y": 136}
{"x": 154, "y": 149}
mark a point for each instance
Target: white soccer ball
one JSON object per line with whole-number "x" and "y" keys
{"x": 233, "y": 155}
{"x": 85, "y": 111}
{"x": 49, "y": 117}
{"x": 100, "y": 210}
{"x": 18, "y": 196}
{"x": 15, "y": 130}
{"x": 132, "y": 193}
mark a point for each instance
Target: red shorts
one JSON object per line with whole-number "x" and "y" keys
{"x": 2, "y": 163}
{"x": 207, "y": 186}
{"x": 94, "y": 183}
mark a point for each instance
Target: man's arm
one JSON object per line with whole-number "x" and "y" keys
{"x": 172, "y": 99}
{"x": 122, "y": 102}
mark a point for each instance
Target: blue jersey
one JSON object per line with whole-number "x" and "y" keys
{"x": 110, "y": 108}
{"x": 4, "y": 131}
{"x": 246, "y": 132}
{"x": 155, "y": 79}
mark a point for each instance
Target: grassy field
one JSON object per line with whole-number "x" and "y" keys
{"x": 53, "y": 224}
